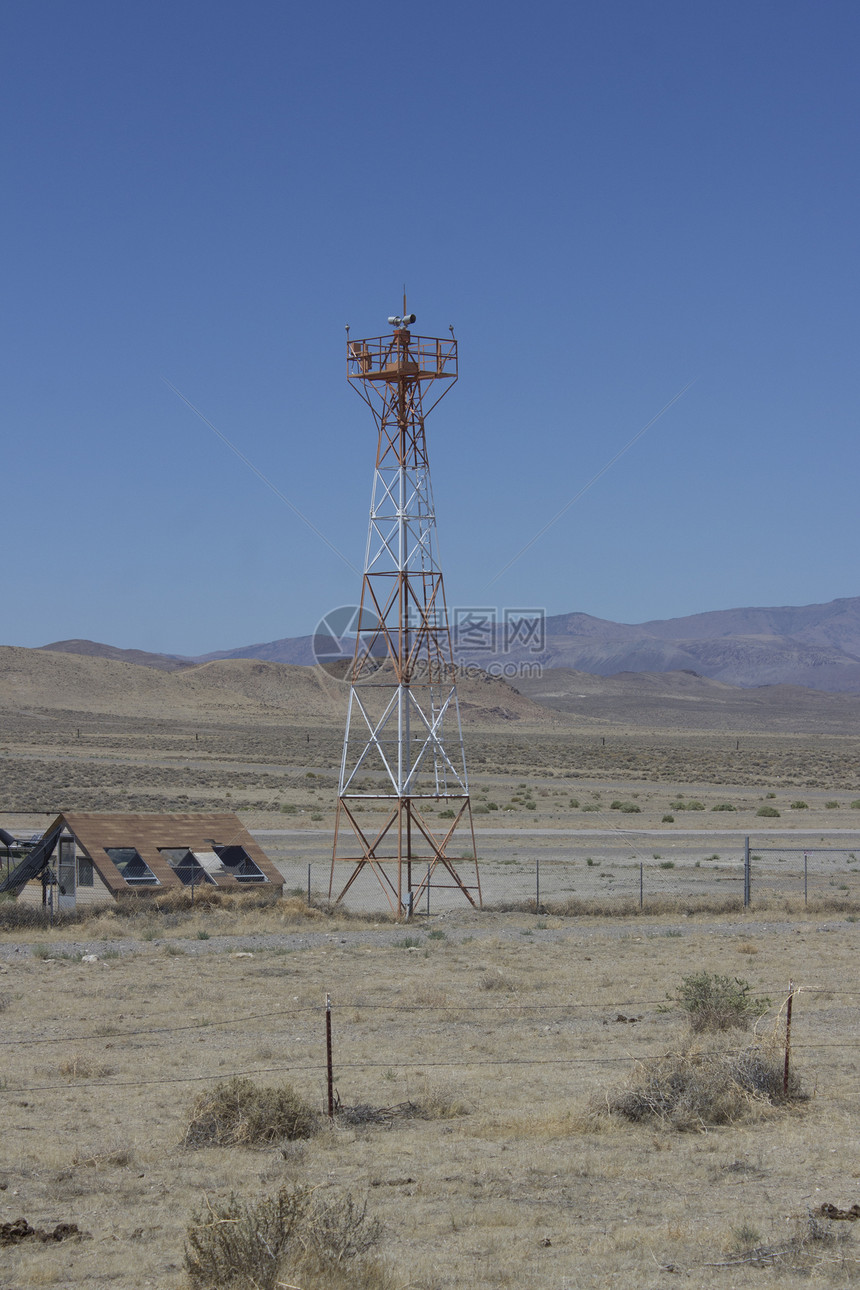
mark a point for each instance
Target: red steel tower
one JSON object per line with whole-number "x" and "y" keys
{"x": 403, "y": 752}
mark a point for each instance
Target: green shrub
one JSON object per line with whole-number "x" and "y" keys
{"x": 769, "y": 812}
{"x": 800, "y": 806}
{"x": 855, "y": 805}
{"x": 240, "y": 1113}
{"x": 714, "y": 1002}
{"x": 574, "y": 802}
{"x": 616, "y": 805}
{"x": 630, "y": 808}
{"x": 668, "y": 819}
{"x": 446, "y": 815}
{"x": 695, "y": 805}
{"x": 492, "y": 806}
{"x": 724, "y": 806}
{"x": 832, "y": 805}
{"x": 667, "y": 864}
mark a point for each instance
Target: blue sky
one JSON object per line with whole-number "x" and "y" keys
{"x": 608, "y": 201}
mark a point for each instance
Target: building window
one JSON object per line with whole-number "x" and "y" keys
{"x": 237, "y": 861}
{"x": 185, "y": 865}
{"x": 132, "y": 866}
{"x": 85, "y": 871}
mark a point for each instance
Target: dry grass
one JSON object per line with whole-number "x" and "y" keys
{"x": 81, "y": 1066}
{"x": 702, "y": 1088}
{"x": 442, "y": 1101}
{"x": 496, "y": 979}
{"x": 105, "y": 1155}
{"x": 815, "y": 1247}
{"x": 466, "y": 1198}
{"x": 240, "y": 1113}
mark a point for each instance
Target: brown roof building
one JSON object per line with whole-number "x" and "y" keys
{"x": 92, "y": 859}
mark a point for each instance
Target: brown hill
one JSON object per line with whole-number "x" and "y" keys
{"x": 228, "y": 690}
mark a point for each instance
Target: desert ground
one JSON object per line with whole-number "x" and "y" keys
{"x": 492, "y": 1042}
{"x": 479, "y": 1057}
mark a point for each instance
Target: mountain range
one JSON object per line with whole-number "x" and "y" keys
{"x": 816, "y": 646}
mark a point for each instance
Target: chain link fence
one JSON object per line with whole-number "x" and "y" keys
{"x": 815, "y": 873}
{"x": 595, "y": 870}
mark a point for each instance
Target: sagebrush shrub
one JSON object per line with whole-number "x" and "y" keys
{"x": 715, "y": 1002}
{"x": 295, "y": 1237}
{"x": 231, "y": 1243}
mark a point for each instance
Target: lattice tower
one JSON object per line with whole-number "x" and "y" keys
{"x": 403, "y": 746}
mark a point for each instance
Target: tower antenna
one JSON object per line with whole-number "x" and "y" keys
{"x": 403, "y": 746}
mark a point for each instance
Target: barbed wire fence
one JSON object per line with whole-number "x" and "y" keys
{"x": 815, "y": 1008}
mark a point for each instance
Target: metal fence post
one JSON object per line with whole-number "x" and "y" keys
{"x": 537, "y": 884}
{"x": 787, "y": 1038}
{"x": 641, "y": 884}
{"x": 747, "y": 883}
{"x": 329, "y": 1066}
{"x": 428, "y": 889}
{"x": 309, "y": 884}
{"x": 805, "y": 879}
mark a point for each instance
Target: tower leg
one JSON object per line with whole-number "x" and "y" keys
{"x": 405, "y": 844}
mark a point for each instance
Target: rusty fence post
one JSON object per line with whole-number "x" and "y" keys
{"x": 329, "y": 1069}
{"x": 787, "y": 1038}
